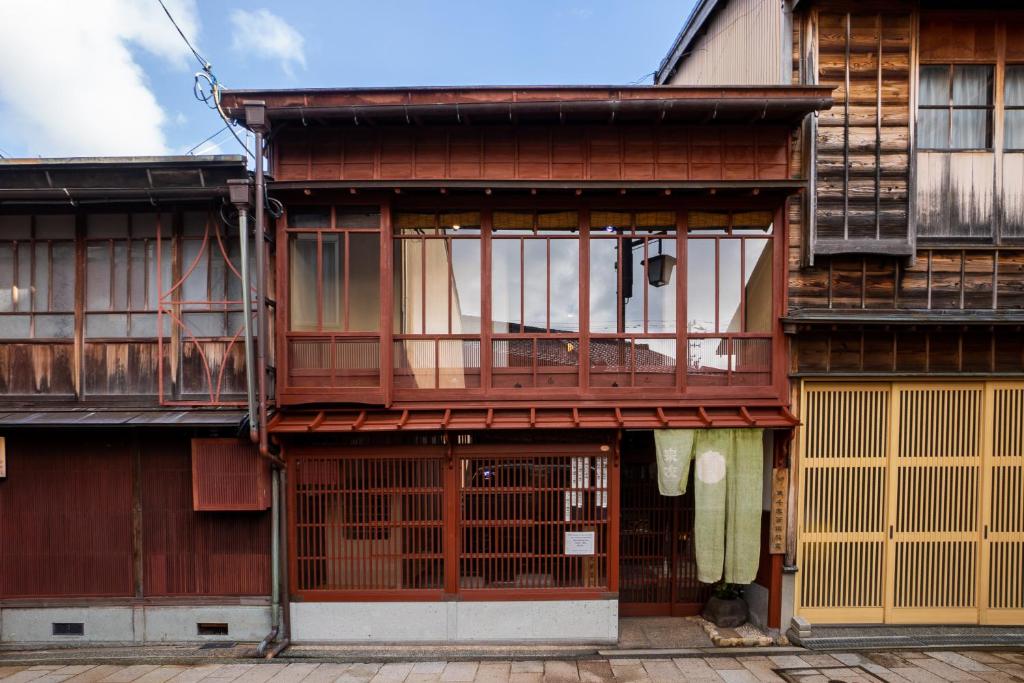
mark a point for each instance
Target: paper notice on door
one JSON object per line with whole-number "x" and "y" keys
{"x": 579, "y": 542}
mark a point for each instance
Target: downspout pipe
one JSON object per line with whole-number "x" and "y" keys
{"x": 239, "y": 192}
{"x": 277, "y": 640}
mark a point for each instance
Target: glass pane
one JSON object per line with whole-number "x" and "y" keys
{"x": 97, "y": 276}
{"x": 535, "y": 285}
{"x": 120, "y": 286}
{"x": 309, "y": 217}
{"x": 1013, "y": 86}
{"x": 63, "y": 295}
{"x": 506, "y": 285}
{"x": 143, "y": 325}
{"x": 604, "y": 285}
{"x": 195, "y": 262}
{"x": 139, "y": 274}
{"x": 757, "y": 286}
{"x": 205, "y": 324}
{"x": 729, "y": 286}
{"x": 970, "y": 129}
{"x": 55, "y": 326}
{"x": 565, "y": 286}
{"x": 466, "y": 286}
{"x": 41, "y": 286}
{"x": 933, "y": 129}
{"x": 661, "y": 284}
{"x": 1015, "y": 129}
{"x": 934, "y": 85}
{"x": 655, "y": 355}
{"x": 700, "y": 285}
{"x": 364, "y": 282}
{"x": 333, "y": 282}
{"x": 357, "y": 217}
{"x": 972, "y": 85}
{"x": 302, "y": 282}
{"x": 55, "y": 226}
{"x": 106, "y": 325}
{"x": 23, "y": 291}
{"x": 408, "y": 264}
{"x": 112, "y": 225}
{"x": 633, "y": 283}
{"x": 436, "y": 299}
{"x": 15, "y": 326}
{"x": 156, "y": 289}
{"x": 6, "y": 277}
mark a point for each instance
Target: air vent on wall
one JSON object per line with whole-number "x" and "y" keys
{"x": 68, "y": 628}
{"x": 209, "y": 629}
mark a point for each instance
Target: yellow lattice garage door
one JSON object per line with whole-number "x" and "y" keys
{"x": 910, "y": 506}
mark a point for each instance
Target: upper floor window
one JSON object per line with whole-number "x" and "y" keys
{"x": 37, "y": 276}
{"x": 955, "y": 107}
{"x": 1013, "y": 105}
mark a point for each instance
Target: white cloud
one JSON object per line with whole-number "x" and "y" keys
{"x": 70, "y": 84}
{"x": 264, "y": 34}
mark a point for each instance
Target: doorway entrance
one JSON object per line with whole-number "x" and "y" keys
{"x": 657, "y": 564}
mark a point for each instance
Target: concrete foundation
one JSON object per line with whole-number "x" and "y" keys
{"x": 552, "y": 621}
{"x": 133, "y": 624}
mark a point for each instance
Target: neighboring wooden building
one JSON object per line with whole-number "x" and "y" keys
{"x": 487, "y": 300}
{"x": 905, "y": 305}
{"x": 121, "y": 387}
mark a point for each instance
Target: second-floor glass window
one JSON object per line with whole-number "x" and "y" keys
{"x": 1013, "y": 104}
{"x": 955, "y": 107}
{"x": 37, "y": 277}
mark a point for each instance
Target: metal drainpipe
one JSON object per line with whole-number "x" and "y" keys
{"x": 239, "y": 191}
{"x": 284, "y": 615}
{"x": 255, "y": 114}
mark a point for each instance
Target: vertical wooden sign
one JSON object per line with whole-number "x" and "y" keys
{"x": 780, "y": 495}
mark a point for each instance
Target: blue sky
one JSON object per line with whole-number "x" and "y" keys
{"x": 127, "y": 77}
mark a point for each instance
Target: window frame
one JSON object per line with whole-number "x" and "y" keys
{"x": 1010, "y": 107}
{"x": 951, "y": 108}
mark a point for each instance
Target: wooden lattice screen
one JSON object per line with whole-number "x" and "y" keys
{"x": 911, "y": 503}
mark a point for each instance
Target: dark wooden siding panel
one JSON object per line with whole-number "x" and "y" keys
{"x": 863, "y": 142}
{"x": 632, "y": 153}
{"x": 121, "y": 368}
{"x": 37, "y": 370}
{"x": 65, "y": 517}
{"x": 229, "y": 475}
{"x": 196, "y": 553}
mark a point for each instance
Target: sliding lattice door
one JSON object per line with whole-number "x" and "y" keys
{"x": 911, "y": 505}
{"x": 1003, "y": 532}
{"x": 842, "y": 514}
{"x": 934, "y": 496}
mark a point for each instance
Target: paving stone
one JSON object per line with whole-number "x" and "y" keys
{"x": 983, "y": 657}
{"x": 960, "y": 662}
{"x": 493, "y": 671}
{"x": 912, "y": 673}
{"x": 595, "y": 670}
{"x": 428, "y": 667}
{"x": 944, "y": 671}
{"x": 737, "y": 676}
{"x": 559, "y": 670}
{"x": 724, "y": 663}
{"x": 849, "y": 659}
{"x": 259, "y": 673}
{"x": 325, "y": 673}
{"x": 529, "y": 666}
{"x": 788, "y": 662}
{"x": 663, "y": 670}
{"x": 129, "y": 673}
{"x": 393, "y": 671}
{"x": 629, "y": 672}
{"x": 93, "y": 674}
{"x": 763, "y": 672}
{"x": 292, "y": 673}
{"x": 696, "y": 669}
{"x": 526, "y": 677}
{"x": 459, "y": 671}
{"x": 886, "y": 674}
{"x": 165, "y": 673}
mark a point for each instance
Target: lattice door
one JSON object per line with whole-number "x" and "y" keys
{"x": 934, "y": 498}
{"x": 843, "y": 462}
{"x": 1003, "y": 535}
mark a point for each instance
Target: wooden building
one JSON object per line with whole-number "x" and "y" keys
{"x": 905, "y": 301}
{"x": 129, "y": 508}
{"x": 486, "y": 301}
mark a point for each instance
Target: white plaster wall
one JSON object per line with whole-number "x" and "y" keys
{"x": 127, "y": 624}
{"x": 575, "y": 621}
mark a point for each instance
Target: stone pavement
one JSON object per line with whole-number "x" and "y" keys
{"x": 901, "y": 666}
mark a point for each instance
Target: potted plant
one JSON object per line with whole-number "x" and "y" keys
{"x": 726, "y": 607}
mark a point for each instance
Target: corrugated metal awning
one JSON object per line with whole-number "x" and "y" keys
{"x": 121, "y": 418}
{"x": 467, "y": 419}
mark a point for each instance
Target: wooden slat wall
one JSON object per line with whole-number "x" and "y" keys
{"x": 1004, "y": 514}
{"x": 863, "y": 142}
{"x": 906, "y": 350}
{"x": 623, "y": 152}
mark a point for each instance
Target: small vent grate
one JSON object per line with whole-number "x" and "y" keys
{"x": 209, "y": 629}
{"x": 68, "y": 628}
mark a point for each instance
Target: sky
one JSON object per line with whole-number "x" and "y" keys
{"x": 113, "y": 77}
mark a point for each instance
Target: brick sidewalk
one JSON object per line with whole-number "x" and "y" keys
{"x": 804, "y": 668}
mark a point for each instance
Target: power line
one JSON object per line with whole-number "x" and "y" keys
{"x": 207, "y": 139}
{"x": 202, "y": 62}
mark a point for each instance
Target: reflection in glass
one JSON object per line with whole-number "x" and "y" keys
{"x": 437, "y": 286}
{"x": 333, "y": 282}
{"x": 757, "y": 286}
{"x": 729, "y": 286}
{"x": 604, "y": 286}
{"x": 933, "y": 128}
{"x": 934, "y": 85}
{"x": 700, "y": 285}
{"x": 661, "y": 294}
{"x": 302, "y": 286}
{"x": 506, "y": 286}
{"x": 364, "y": 282}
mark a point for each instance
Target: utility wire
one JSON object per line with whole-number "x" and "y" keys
{"x": 211, "y": 98}
{"x": 207, "y": 139}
